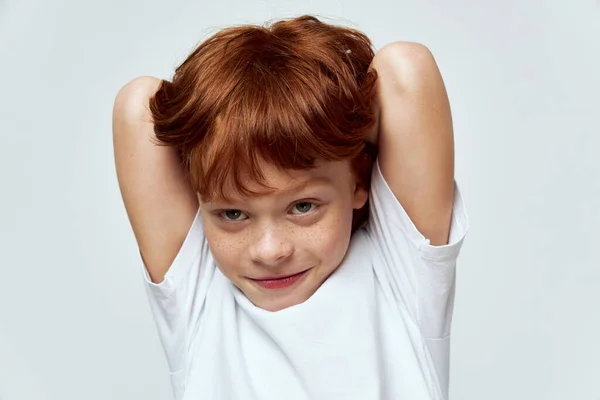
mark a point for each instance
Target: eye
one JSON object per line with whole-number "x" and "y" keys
{"x": 233, "y": 215}
{"x": 303, "y": 207}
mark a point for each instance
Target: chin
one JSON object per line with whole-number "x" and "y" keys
{"x": 280, "y": 299}
{"x": 274, "y": 304}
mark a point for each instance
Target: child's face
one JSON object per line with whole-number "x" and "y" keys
{"x": 303, "y": 226}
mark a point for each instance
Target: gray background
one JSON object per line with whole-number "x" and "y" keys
{"x": 523, "y": 82}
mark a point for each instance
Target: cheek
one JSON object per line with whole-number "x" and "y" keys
{"x": 225, "y": 250}
{"x": 330, "y": 239}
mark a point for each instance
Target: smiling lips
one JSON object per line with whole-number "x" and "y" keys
{"x": 279, "y": 283}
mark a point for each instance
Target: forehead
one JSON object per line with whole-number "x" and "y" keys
{"x": 281, "y": 182}
{"x": 279, "y": 179}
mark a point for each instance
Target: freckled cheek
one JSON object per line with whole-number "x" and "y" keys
{"x": 330, "y": 241}
{"x": 227, "y": 250}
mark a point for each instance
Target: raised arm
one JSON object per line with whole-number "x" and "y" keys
{"x": 415, "y": 136}
{"x": 159, "y": 201}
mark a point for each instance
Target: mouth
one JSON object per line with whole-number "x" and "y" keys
{"x": 280, "y": 282}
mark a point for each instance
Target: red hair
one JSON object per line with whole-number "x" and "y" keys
{"x": 291, "y": 93}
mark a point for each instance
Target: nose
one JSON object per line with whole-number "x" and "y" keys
{"x": 271, "y": 247}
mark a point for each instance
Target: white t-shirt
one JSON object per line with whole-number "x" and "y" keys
{"x": 378, "y": 327}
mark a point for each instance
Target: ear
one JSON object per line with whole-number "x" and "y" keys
{"x": 362, "y": 167}
{"x": 360, "y": 196}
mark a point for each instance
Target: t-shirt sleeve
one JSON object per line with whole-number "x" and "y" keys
{"x": 177, "y": 302}
{"x": 418, "y": 275}
{"x": 415, "y": 275}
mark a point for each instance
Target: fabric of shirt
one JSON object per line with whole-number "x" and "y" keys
{"x": 377, "y": 328}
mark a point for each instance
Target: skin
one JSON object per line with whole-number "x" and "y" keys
{"x": 305, "y": 223}
{"x": 415, "y": 136}
{"x": 416, "y": 155}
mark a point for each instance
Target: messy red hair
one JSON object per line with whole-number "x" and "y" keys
{"x": 291, "y": 93}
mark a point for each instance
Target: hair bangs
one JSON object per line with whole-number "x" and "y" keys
{"x": 291, "y": 93}
{"x": 288, "y": 117}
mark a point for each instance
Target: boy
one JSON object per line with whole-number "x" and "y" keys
{"x": 292, "y": 195}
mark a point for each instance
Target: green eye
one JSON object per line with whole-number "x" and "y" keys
{"x": 233, "y": 215}
{"x": 303, "y": 207}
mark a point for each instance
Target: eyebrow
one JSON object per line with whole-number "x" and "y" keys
{"x": 303, "y": 185}
{"x": 288, "y": 192}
